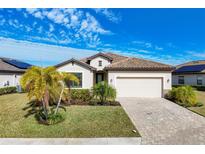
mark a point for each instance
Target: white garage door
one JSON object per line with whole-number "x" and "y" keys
{"x": 139, "y": 87}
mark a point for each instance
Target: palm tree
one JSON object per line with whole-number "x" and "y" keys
{"x": 104, "y": 92}
{"x": 68, "y": 78}
{"x": 39, "y": 82}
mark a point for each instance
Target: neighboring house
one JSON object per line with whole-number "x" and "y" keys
{"x": 132, "y": 77}
{"x": 11, "y": 71}
{"x": 191, "y": 73}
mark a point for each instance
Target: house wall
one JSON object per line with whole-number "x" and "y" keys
{"x": 95, "y": 63}
{"x": 189, "y": 79}
{"x": 167, "y": 77}
{"x": 87, "y": 79}
{"x": 12, "y": 78}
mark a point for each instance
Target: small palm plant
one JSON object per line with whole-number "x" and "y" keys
{"x": 104, "y": 92}
{"x": 47, "y": 86}
{"x": 39, "y": 82}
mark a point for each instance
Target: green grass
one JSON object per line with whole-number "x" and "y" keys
{"x": 81, "y": 121}
{"x": 200, "y": 98}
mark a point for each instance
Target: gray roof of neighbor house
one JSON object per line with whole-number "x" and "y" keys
{"x": 124, "y": 63}
{"x": 193, "y": 67}
{"x": 10, "y": 65}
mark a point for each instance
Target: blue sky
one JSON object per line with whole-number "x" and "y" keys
{"x": 49, "y": 36}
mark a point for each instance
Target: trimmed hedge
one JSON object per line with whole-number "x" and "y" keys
{"x": 183, "y": 95}
{"x": 7, "y": 90}
{"x": 85, "y": 97}
{"x": 80, "y": 96}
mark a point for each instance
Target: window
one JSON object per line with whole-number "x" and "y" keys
{"x": 75, "y": 85}
{"x": 100, "y": 63}
{"x": 181, "y": 79}
{"x": 199, "y": 80}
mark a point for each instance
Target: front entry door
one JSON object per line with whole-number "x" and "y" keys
{"x": 99, "y": 77}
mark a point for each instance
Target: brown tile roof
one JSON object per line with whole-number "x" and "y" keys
{"x": 114, "y": 57}
{"x": 125, "y": 63}
{"x": 76, "y": 61}
{"x": 5, "y": 67}
{"x": 100, "y": 54}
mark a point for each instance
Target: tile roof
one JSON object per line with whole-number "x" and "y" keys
{"x": 138, "y": 65}
{"x": 121, "y": 63}
{"x": 6, "y": 67}
{"x": 76, "y": 61}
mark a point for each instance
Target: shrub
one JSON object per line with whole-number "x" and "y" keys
{"x": 199, "y": 104}
{"x": 80, "y": 96}
{"x": 8, "y": 90}
{"x": 55, "y": 118}
{"x": 93, "y": 102}
{"x": 114, "y": 103}
{"x": 183, "y": 95}
{"x": 107, "y": 103}
{"x": 51, "y": 119}
{"x": 104, "y": 92}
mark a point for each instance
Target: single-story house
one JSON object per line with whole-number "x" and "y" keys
{"x": 191, "y": 73}
{"x": 132, "y": 77}
{"x": 10, "y": 71}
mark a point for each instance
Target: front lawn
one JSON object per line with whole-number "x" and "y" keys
{"x": 200, "y": 98}
{"x": 80, "y": 121}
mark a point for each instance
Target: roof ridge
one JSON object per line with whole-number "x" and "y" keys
{"x": 75, "y": 60}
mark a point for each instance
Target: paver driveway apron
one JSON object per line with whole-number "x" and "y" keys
{"x": 160, "y": 121}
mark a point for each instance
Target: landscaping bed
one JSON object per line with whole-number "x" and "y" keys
{"x": 80, "y": 121}
{"x": 190, "y": 97}
{"x": 201, "y": 98}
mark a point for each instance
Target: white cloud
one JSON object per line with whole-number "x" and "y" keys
{"x": 38, "y": 14}
{"x": 158, "y": 48}
{"x": 51, "y": 28}
{"x": 2, "y": 22}
{"x": 148, "y": 45}
{"x": 109, "y": 15}
{"x": 31, "y": 10}
{"x": 198, "y": 54}
{"x": 83, "y": 24}
{"x": 40, "y": 29}
{"x": 171, "y": 45}
{"x": 143, "y": 51}
{"x": 38, "y": 53}
{"x": 143, "y": 43}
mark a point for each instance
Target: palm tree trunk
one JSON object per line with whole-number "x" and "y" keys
{"x": 59, "y": 101}
{"x": 46, "y": 103}
{"x": 45, "y": 110}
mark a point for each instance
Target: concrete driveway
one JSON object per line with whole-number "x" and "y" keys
{"x": 160, "y": 121}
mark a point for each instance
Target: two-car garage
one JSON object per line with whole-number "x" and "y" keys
{"x": 139, "y": 86}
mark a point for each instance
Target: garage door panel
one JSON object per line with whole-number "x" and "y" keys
{"x": 139, "y": 87}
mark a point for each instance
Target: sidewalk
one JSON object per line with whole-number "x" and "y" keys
{"x": 71, "y": 141}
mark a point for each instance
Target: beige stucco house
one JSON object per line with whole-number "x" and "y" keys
{"x": 191, "y": 73}
{"x": 10, "y": 71}
{"x": 132, "y": 77}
